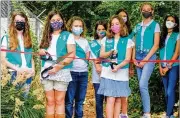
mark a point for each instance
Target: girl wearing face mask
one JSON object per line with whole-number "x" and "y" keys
{"x": 147, "y": 36}
{"x": 77, "y": 87}
{"x": 169, "y": 50}
{"x": 57, "y": 42}
{"x": 114, "y": 82}
{"x": 19, "y": 39}
{"x": 123, "y": 13}
{"x": 95, "y": 46}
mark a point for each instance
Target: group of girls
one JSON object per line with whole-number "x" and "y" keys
{"x": 66, "y": 86}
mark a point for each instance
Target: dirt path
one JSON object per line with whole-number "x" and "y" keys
{"x": 89, "y": 105}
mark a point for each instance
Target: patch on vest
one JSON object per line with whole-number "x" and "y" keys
{"x": 93, "y": 44}
{"x": 138, "y": 28}
{"x": 64, "y": 37}
{"x": 109, "y": 40}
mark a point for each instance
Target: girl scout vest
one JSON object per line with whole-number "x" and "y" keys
{"x": 95, "y": 47}
{"x": 15, "y": 58}
{"x": 148, "y": 38}
{"x": 61, "y": 47}
{"x": 80, "y": 52}
{"x": 121, "y": 47}
{"x": 170, "y": 48}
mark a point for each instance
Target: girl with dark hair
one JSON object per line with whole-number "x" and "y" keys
{"x": 57, "y": 42}
{"x": 122, "y": 13}
{"x": 95, "y": 46}
{"x": 169, "y": 50}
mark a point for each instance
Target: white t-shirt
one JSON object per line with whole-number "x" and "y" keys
{"x": 95, "y": 75}
{"x": 144, "y": 26}
{"x": 167, "y": 38}
{"x": 4, "y": 45}
{"x": 52, "y": 48}
{"x": 79, "y": 65}
{"x": 121, "y": 74}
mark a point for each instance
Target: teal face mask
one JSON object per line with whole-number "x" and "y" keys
{"x": 101, "y": 33}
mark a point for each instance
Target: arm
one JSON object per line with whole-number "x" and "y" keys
{"x": 7, "y": 63}
{"x": 160, "y": 69}
{"x": 176, "y": 53}
{"x": 134, "y": 55}
{"x": 104, "y": 54}
{"x": 69, "y": 59}
{"x": 97, "y": 66}
{"x": 66, "y": 61}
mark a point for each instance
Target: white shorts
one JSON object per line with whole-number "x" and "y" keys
{"x": 56, "y": 85}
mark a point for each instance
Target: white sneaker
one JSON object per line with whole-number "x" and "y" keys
{"x": 123, "y": 116}
{"x": 146, "y": 116}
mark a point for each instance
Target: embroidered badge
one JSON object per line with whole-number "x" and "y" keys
{"x": 109, "y": 40}
{"x": 138, "y": 28}
{"x": 64, "y": 37}
{"x": 93, "y": 44}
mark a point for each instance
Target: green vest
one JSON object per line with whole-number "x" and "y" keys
{"x": 80, "y": 52}
{"x": 170, "y": 48}
{"x": 95, "y": 47}
{"x": 148, "y": 38}
{"x": 131, "y": 35}
{"x": 121, "y": 47}
{"x": 61, "y": 47}
{"x": 15, "y": 58}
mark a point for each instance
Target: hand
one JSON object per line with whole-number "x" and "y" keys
{"x": 115, "y": 69}
{"x": 98, "y": 69}
{"x": 30, "y": 72}
{"x": 55, "y": 69}
{"x": 161, "y": 72}
{"x": 42, "y": 52}
{"x": 164, "y": 70}
{"x": 135, "y": 62}
{"x": 111, "y": 52}
{"x": 20, "y": 70}
{"x": 142, "y": 63}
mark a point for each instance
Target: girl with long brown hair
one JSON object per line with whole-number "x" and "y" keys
{"x": 114, "y": 82}
{"x": 57, "y": 42}
{"x": 19, "y": 39}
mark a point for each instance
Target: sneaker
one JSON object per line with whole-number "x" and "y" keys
{"x": 171, "y": 116}
{"x": 123, "y": 116}
{"x": 168, "y": 116}
{"x": 146, "y": 116}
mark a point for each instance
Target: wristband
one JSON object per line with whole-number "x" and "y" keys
{"x": 169, "y": 67}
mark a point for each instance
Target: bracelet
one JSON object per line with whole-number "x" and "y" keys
{"x": 169, "y": 67}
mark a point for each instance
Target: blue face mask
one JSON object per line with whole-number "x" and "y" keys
{"x": 101, "y": 33}
{"x": 77, "y": 30}
{"x": 56, "y": 25}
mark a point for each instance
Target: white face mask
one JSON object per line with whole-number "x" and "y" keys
{"x": 124, "y": 19}
{"x": 170, "y": 24}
